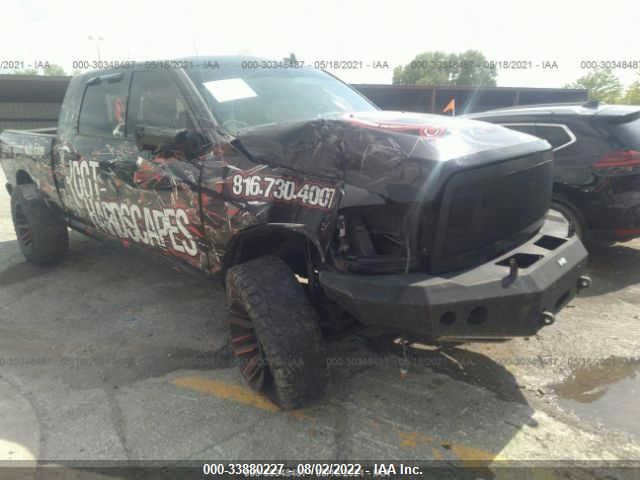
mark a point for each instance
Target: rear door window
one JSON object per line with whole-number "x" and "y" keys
{"x": 103, "y": 109}
{"x": 559, "y": 136}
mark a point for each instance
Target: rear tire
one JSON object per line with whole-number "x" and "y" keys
{"x": 41, "y": 230}
{"x": 275, "y": 333}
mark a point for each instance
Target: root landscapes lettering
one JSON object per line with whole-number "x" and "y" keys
{"x": 166, "y": 228}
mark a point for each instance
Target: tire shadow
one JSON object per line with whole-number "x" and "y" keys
{"x": 441, "y": 403}
{"x": 115, "y": 317}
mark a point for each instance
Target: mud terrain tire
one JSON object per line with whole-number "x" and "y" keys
{"x": 275, "y": 333}
{"x": 41, "y": 230}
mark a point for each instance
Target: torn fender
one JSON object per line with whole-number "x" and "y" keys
{"x": 267, "y": 228}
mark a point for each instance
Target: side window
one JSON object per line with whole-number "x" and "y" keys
{"x": 103, "y": 109}
{"x": 524, "y": 128}
{"x": 556, "y": 135}
{"x": 156, "y": 101}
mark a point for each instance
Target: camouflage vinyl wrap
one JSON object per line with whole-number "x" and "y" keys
{"x": 294, "y": 176}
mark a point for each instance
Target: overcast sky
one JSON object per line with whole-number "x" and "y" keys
{"x": 385, "y": 30}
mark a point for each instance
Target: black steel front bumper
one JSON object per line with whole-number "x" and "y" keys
{"x": 513, "y": 295}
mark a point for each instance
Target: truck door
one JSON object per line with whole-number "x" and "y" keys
{"x": 125, "y": 177}
{"x": 84, "y": 157}
{"x": 158, "y": 174}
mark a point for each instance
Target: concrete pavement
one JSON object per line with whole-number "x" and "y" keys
{"x": 112, "y": 356}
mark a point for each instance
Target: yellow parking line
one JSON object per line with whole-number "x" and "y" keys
{"x": 411, "y": 439}
{"x": 236, "y": 393}
{"x": 469, "y": 455}
{"x": 472, "y": 456}
{"x": 233, "y": 392}
{"x": 436, "y": 453}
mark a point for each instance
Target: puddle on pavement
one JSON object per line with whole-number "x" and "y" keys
{"x": 606, "y": 392}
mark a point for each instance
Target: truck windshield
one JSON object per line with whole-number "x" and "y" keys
{"x": 241, "y": 99}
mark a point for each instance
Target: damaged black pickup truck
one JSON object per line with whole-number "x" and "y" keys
{"x": 312, "y": 204}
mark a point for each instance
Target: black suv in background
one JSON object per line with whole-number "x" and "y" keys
{"x": 597, "y": 163}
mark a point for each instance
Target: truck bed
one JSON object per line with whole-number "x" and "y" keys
{"x": 29, "y": 152}
{"x": 48, "y": 132}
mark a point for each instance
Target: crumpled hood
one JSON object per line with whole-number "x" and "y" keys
{"x": 389, "y": 153}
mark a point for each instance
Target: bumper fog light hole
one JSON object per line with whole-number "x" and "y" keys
{"x": 448, "y": 318}
{"x": 477, "y": 316}
{"x": 550, "y": 243}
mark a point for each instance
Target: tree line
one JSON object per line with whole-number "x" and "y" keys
{"x": 51, "y": 70}
{"x": 471, "y": 68}
{"x": 603, "y": 85}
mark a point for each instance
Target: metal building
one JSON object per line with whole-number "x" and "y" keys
{"x": 30, "y": 101}
{"x": 433, "y": 99}
{"x": 33, "y": 101}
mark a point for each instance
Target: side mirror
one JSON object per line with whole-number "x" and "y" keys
{"x": 191, "y": 142}
{"x": 152, "y": 138}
